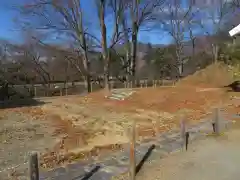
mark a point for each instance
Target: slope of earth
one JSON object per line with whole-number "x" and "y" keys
{"x": 216, "y": 75}
{"x": 83, "y": 127}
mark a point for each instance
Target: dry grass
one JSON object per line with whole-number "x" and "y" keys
{"x": 92, "y": 125}
{"x": 215, "y": 75}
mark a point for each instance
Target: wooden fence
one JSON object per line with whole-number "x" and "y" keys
{"x": 79, "y": 88}
{"x": 133, "y": 167}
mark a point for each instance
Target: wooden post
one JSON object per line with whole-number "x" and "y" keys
{"x": 183, "y": 131}
{"x": 132, "y": 165}
{"x": 35, "y": 91}
{"x": 33, "y": 166}
{"x": 66, "y": 90}
{"x": 216, "y": 121}
{"x": 186, "y": 140}
{"x": 91, "y": 86}
{"x": 184, "y": 134}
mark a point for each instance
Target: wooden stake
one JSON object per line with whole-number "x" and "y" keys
{"x": 33, "y": 167}
{"x": 216, "y": 122}
{"x": 132, "y": 165}
{"x": 183, "y": 131}
{"x": 186, "y": 140}
{"x": 66, "y": 90}
{"x": 35, "y": 91}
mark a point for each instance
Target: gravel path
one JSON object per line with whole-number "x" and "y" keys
{"x": 208, "y": 159}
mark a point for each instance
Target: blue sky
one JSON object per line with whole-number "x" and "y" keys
{"x": 8, "y": 28}
{"x": 6, "y": 24}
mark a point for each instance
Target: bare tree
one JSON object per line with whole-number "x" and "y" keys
{"x": 65, "y": 18}
{"x": 29, "y": 56}
{"x": 213, "y": 18}
{"x": 177, "y": 23}
{"x": 141, "y": 13}
{"x": 69, "y": 57}
{"x": 101, "y": 13}
{"x": 10, "y": 67}
{"x": 115, "y": 9}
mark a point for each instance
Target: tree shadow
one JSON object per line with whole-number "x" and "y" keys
{"x": 6, "y": 104}
{"x": 13, "y": 97}
{"x": 233, "y": 91}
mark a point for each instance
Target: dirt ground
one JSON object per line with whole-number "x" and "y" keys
{"x": 19, "y": 135}
{"x": 66, "y": 129}
{"x": 211, "y": 158}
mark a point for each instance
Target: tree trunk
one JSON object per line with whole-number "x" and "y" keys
{"x": 179, "y": 62}
{"x": 134, "y": 19}
{"x": 134, "y": 54}
{"x": 128, "y": 62}
{"x": 86, "y": 61}
{"x": 134, "y": 50}
{"x": 88, "y": 78}
{"x": 215, "y": 49}
{"x": 104, "y": 46}
{"x": 127, "y": 49}
{"x": 106, "y": 76}
{"x": 180, "y": 69}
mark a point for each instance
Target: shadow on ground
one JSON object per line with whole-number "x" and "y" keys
{"x": 88, "y": 175}
{"x": 145, "y": 158}
{"x": 20, "y": 103}
{"x": 11, "y": 97}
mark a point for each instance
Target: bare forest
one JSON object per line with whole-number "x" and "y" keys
{"x": 99, "y": 53}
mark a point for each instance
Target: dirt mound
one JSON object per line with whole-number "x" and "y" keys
{"x": 215, "y": 75}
